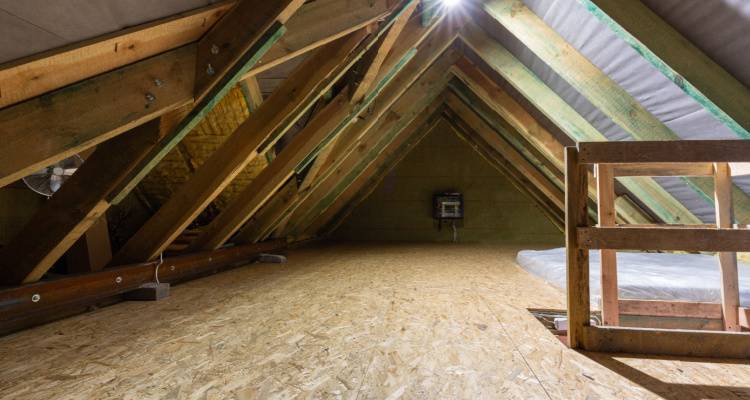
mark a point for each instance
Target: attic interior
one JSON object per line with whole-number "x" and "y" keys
{"x": 380, "y": 199}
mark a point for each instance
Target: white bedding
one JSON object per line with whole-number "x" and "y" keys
{"x": 644, "y": 276}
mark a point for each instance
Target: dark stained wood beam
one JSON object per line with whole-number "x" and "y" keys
{"x": 78, "y": 204}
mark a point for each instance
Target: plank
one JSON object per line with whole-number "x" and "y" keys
{"x": 605, "y": 189}
{"x": 678, "y": 59}
{"x": 665, "y": 238}
{"x": 255, "y": 230}
{"x": 501, "y": 61}
{"x": 29, "y": 305}
{"x": 374, "y": 62}
{"x": 29, "y": 77}
{"x": 274, "y": 117}
{"x": 230, "y": 41}
{"x": 663, "y": 308}
{"x": 683, "y": 151}
{"x": 318, "y": 23}
{"x": 730, "y": 286}
{"x": 74, "y": 208}
{"x": 667, "y": 342}
{"x": 39, "y": 132}
{"x": 92, "y": 251}
{"x": 664, "y": 169}
{"x": 577, "y": 258}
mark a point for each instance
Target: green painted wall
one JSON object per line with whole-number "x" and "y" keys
{"x": 400, "y": 209}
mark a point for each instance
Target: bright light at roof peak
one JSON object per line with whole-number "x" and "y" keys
{"x": 451, "y": 3}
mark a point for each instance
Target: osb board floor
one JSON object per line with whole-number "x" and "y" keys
{"x": 425, "y": 321}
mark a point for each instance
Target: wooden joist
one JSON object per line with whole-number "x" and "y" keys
{"x": 75, "y": 207}
{"x": 676, "y": 309}
{"x": 273, "y": 118}
{"x": 679, "y": 60}
{"x": 256, "y": 230}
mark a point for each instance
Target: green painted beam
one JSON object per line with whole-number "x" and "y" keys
{"x": 593, "y": 84}
{"x": 678, "y": 59}
{"x": 567, "y": 119}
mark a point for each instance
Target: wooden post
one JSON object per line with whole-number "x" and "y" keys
{"x": 576, "y": 177}
{"x": 730, "y": 294}
{"x": 605, "y": 195}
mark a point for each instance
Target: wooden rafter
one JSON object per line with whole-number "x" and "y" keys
{"x": 390, "y": 111}
{"x": 679, "y": 60}
{"x": 370, "y": 178}
{"x": 75, "y": 207}
{"x": 394, "y": 83}
{"x": 274, "y": 117}
{"x": 501, "y": 61}
{"x": 374, "y": 60}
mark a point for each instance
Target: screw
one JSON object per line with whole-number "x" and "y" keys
{"x": 210, "y": 70}
{"x": 118, "y": 280}
{"x": 214, "y": 49}
{"x": 171, "y": 268}
{"x": 158, "y": 82}
{"x": 36, "y": 297}
{"x": 150, "y": 97}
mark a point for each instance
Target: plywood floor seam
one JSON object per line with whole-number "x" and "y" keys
{"x": 344, "y": 321}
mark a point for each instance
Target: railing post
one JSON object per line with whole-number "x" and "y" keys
{"x": 730, "y": 292}
{"x": 605, "y": 200}
{"x": 576, "y": 215}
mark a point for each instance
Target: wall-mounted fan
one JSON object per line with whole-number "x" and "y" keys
{"x": 49, "y": 180}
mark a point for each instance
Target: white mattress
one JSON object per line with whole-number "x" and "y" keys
{"x": 644, "y": 276}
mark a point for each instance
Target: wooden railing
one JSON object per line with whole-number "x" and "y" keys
{"x": 705, "y": 158}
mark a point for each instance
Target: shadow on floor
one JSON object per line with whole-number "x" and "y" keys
{"x": 671, "y": 390}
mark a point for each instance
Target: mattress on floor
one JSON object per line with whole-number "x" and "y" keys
{"x": 644, "y": 276}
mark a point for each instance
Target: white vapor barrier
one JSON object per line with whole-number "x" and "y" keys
{"x": 720, "y": 28}
{"x": 643, "y": 276}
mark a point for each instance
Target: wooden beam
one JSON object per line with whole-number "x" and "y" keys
{"x": 497, "y": 142}
{"x": 579, "y": 307}
{"x": 28, "y": 305}
{"x": 75, "y": 207}
{"x": 683, "y": 151}
{"x": 605, "y": 195}
{"x": 92, "y": 251}
{"x": 274, "y": 117}
{"x": 255, "y": 194}
{"x": 566, "y": 118}
{"x": 255, "y": 230}
{"x": 664, "y": 308}
{"x": 318, "y": 23}
{"x": 730, "y": 286}
{"x": 430, "y": 45}
{"x": 230, "y": 41}
{"x": 663, "y": 169}
{"x": 29, "y": 77}
{"x": 39, "y": 132}
{"x": 252, "y": 93}
{"x": 666, "y": 342}
{"x": 594, "y": 84}
{"x": 665, "y": 238}
{"x": 679, "y": 60}
{"x": 520, "y": 181}
{"x": 390, "y": 111}
{"x": 381, "y": 50}
{"x": 370, "y": 178}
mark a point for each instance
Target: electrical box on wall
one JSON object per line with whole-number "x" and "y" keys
{"x": 449, "y": 205}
